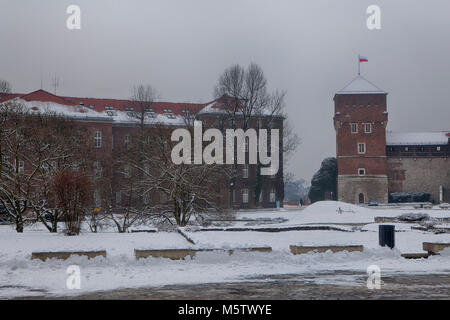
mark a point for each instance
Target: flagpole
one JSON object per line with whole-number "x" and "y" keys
{"x": 359, "y": 65}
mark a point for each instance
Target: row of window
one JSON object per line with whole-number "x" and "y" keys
{"x": 245, "y": 195}
{"x": 367, "y": 127}
{"x": 421, "y": 149}
{"x": 361, "y": 105}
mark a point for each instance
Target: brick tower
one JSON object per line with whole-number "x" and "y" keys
{"x": 360, "y": 119}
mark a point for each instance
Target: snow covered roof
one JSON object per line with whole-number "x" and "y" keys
{"x": 360, "y": 85}
{"x": 114, "y": 110}
{"x": 417, "y": 138}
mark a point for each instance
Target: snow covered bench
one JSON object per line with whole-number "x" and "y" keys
{"x": 181, "y": 254}
{"x": 64, "y": 255}
{"x": 334, "y": 249}
{"x": 434, "y": 248}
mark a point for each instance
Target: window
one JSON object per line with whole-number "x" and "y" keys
{"x": 245, "y": 171}
{"x": 260, "y": 123}
{"x": 21, "y": 166}
{"x": 361, "y": 148}
{"x": 126, "y": 139}
{"x": 118, "y": 197}
{"x": 438, "y": 148}
{"x": 260, "y": 199}
{"x": 368, "y": 128}
{"x": 97, "y": 139}
{"x": 406, "y": 148}
{"x": 97, "y": 200}
{"x": 244, "y": 195}
{"x": 171, "y": 116}
{"x": 246, "y": 144}
{"x": 354, "y": 127}
{"x": 97, "y": 169}
{"x": 361, "y": 172}
{"x": 272, "y": 196}
{"x": 45, "y": 168}
{"x": 127, "y": 171}
{"x": 146, "y": 198}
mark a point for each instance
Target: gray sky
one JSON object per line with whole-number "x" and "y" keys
{"x": 308, "y": 48}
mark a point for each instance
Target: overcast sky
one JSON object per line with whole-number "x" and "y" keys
{"x": 307, "y": 48}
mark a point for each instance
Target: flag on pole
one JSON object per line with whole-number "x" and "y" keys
{"x": 363, "y": 59}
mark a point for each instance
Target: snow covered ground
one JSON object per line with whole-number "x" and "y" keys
{"x": 21, "y": 276}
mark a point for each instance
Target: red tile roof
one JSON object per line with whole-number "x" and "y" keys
{"x": 158, "y": 107}
{"x": 98, "y": 104}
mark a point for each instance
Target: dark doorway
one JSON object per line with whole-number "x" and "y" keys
{"x": 361, "y": 198}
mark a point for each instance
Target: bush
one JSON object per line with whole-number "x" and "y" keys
{"x": 73, "y": 196}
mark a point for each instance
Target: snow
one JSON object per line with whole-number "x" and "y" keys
{"x": 80, "y": 112}
{"x": 21, "y": 276}
{"x": 417, "y": 138}
{"x": 360, "y": 85}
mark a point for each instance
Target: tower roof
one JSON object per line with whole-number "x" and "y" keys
{"x": 361, "y": 85}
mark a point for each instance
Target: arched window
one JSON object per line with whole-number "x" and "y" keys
{"x": 361, "y": 198}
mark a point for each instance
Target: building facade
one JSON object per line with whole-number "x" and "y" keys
{"x": 111, "y": 122}
{"x": 372, "y": 162}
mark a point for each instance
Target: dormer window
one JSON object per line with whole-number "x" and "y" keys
{"x": 168, "y": 110}
{"x": 129, "y": 108}
{"x": 109, "y": 108}
{"x": 111, "y": 113}
{"x": 131, "y": 114}
{"x": 150, "y": 115}
{"x": 171, "y": 116}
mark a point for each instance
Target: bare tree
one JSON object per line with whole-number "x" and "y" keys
{"x": 244, "y": 95}
{"x": 142, "y": 99}
{"x": 55, "y": 144}
{"x": 16, "y": 181}
{"x": 5, "y": 87}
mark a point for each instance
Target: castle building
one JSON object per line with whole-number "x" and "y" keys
{"x": 373, "y": 162}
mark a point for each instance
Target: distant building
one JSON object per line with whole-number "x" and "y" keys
{"x": 372, "y": 163}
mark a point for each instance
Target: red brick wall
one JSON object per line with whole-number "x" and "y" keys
{"x": 361, "y": 109}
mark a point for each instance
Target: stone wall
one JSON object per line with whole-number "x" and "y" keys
{"x": 350, "y": 186}
{"x": 420, "y": 175}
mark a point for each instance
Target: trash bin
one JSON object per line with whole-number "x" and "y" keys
{"x": 387, "y": 235}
